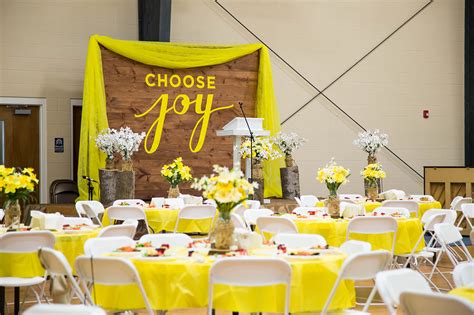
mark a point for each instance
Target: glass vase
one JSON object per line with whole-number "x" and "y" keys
{"x": 12, "y": 213}
{"x": 333, "y": 205}
{"x": 372, "y": 190}
{"x": 223, "y": 233}
{"x": 173, "y": 192}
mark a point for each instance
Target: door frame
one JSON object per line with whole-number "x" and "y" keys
{"x": 75, "y": 102}
{"x": 41, "y": 102}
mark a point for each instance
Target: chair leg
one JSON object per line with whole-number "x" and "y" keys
{"x": 3, "y": 303}
{"x": 16, "y": 308}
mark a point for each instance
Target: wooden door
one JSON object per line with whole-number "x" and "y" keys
{"x": 21, "y": 138}
{"x": 76, "y": 136}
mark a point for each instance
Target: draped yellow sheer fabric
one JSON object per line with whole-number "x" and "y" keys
{"x": 168, "y": 55}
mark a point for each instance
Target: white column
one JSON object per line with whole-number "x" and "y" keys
{"x": 236, "y": 149}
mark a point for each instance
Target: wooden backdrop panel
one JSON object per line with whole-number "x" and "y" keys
{"x": 127, "y": 94}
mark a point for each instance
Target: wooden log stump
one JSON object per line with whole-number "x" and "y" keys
{"x": 258, "y": 192}
{"x": 115, "y": 184}
{"x": 290, "y": 182}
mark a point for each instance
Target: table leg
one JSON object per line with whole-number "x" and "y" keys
{"x": 2, "y": 301}
{"x": 17, "y": 301}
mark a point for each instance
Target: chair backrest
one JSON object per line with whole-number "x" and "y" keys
{"x": 447, "y": 233}
{"x": 391, "y": 210}
{"x": 434, "y": 219}
{"x": 344, "y": 197}
{"x": 196, "y": 212}
{"x": 127, "y": 230}
{"x": 103, "y": 245}
{"x": 422, "y": 197}
{"x": 173, "y": 239}
{"x": 411, "y": 205}
{"x": 308, "y": 200}
{"x": 391, "y": 283}
{"x": 54, "y": 262}
{"x": 210, "y": 202}
{"x": 468, "y": 210}
{"x": 299, "y": 241}
{"x": 126, "y": 212}
{"x": 417, "y": 303}
{"x": 191, "y": 200}
{"x": 457, "y": 205}
{"x": 238, "y": 221}
{"x": 351, "y": 209}
{"x": 239, "y": 210}
{"x": 251, "y": 215}
{"x": 275, "y": 225}
{"x": 253, "y": 204}
{"x": 26, "y": 242}
{"x": 306, "y": 210}
{"x": 96, "y": 207}
{"x": 63, "y": 191}
{"x": 373, "y": 225}
{"x": 450, "y": 215}
{"x": 157, "y": 202}
{"x": 454, "y": 201}
{"x": 463, "y": 274}
{"x": 64, "y": 309}
{"x": 77, "y": 221}
{"x": 175, "y": 203}
{"x": 352, "y": 247}
{"x": 129, "y": 202}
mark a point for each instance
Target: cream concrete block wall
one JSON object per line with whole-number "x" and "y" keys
{"x": 419, "y": 67}
{"x": 43, "y": 45}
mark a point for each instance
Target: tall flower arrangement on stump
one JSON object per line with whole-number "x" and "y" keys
{"x": 288, "y": 143}
{"x": 333, "y": 176}
{"x": 176, "y": 173}
{"x": 228, "y": 188}
{"x": 372, "y": 173}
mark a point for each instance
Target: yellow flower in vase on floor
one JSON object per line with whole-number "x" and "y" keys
{"x": 176, "y": 173}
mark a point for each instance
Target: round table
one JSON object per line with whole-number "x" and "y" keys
{"x": 163, "y": 219}
{"x": 370, "y": 206}
{"x": 183, "y": 283}
{"x": 28, "y": 265}
{"x": 334, "y": 231}
{"x": 464, "y": 292}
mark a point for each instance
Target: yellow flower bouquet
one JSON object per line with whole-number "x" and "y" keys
{"x": 372, "y": 172}
{"x": 333, "y": 176}
{"x": 176, "y": 172}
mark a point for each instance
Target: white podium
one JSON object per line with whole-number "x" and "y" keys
{"x": 238, "y": 129}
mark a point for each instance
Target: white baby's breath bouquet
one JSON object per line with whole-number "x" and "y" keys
{"x": 262, "y": 149}
{"x": 333, "y": 176}
{"x": 128, "y": 142}
{"x": 228, "y": 188}
{"x": 106, "y": 142}
{"x": 288, "y": 142}
{"x": 371, "y": 141}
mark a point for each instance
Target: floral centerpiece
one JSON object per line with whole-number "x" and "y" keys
{"x": 176, "y": 173}
{"x": 16, "y": 185}
{"x": 333, "y": 176}
{"x": 288, "y": 143}
{"x": 106, "y": 142}
{"x": 228, "y": 188}
{"x": 127, "y": 144}
{"x": 371, "y": 142}
{"x": 372, "y": 173}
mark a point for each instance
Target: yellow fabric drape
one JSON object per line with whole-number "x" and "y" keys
{"x": 174, "y": 56}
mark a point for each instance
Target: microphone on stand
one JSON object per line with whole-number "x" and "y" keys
{"x": 90, "y": 186}
{"x": 251, "y": 141}
{"x": 89, "y": 179}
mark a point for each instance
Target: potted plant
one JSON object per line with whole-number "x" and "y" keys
{"x": 176, "y": 173}
{"x": 228, "y": 188}
{"x": 128, "y": 143}
{"x": 106, "y": 142}
{"x": 333, "y": 176}
{"x": 16, "y": 185}
{"x": 372, "y": 173}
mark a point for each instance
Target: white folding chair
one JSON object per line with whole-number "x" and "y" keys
{"x": 359, "y": 267}
{"x": 355, "y": 247}
{"x": 239, "y": 210}
{"x": 157, "y": 202}
{"x": 424, "y": 197}
{"x": 459, "y": 201}
{"x": 64, "y": 309}
{"x": 172, "y": 239}
{"x": 300, "y": 241}
{"x": 250, "y": 272}
{"x": 253, "y": 204}
{"x": 90, "y": 209}
{"x": 129, "y": 202}
{"x": 452, "y": 243}
{"x": 391, "y": 210}
{"x": 57, "y": 266}
{"x": 109, "y": 271}
{"x": 355, "y": 197}
{"x": 123, "y": 213}
{"x": 391, "y": 283}
{"x": 77, "y": 221}
{"x": 102, "y": 245}
{"x": 239, "y": 223}
{"x": 201, "y": 212}
{"x": 467, "y": 210}
{"x": 175, "y": 203}
{"x": 411, "y": 205}
{"x": 463, "y": 275}
{"x": 349, "y": 209}
{"x": 251, "y": 215}
{"x": 373, "y": 225}
{"x": 25, "y": 242}
{"x": 308, "y": 200}
{"x": 210, "y": 202}
{"x": 275, "y": 225}
{"x": 127, "y": 230}
{"x": 414, "y": 303}
{"x": 306, "y": 210}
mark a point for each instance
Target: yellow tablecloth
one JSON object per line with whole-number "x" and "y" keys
{"x": 334, "y": 231}
{"x": 184, "y": 284}
{"x": 467, "y": 293}
{"x": 28, "y": 265}
{"x": 371, "y": 206}
{"x": 165, "y": 220}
